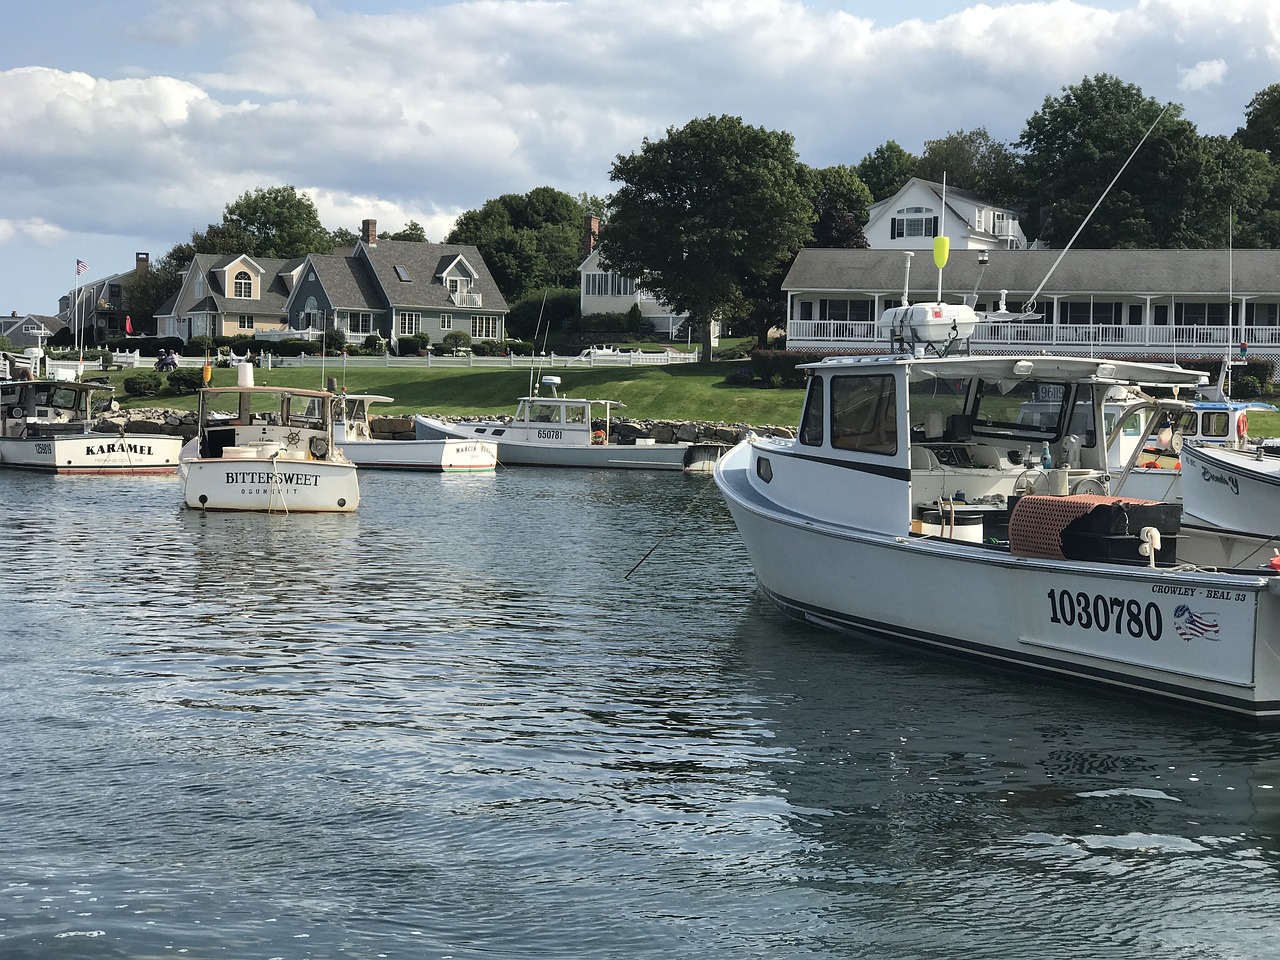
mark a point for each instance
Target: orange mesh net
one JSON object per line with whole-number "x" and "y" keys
{"x": 1036, "y": 523}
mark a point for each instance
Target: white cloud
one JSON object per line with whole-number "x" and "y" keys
{"x": 404, "y": 112}
{"x": 1206, "y": 73}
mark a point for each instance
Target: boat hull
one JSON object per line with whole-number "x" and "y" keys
{"x": 640, "y": 456}
{"x": 1207, "y": 640}
{"x": 1232, "y": 489}
{"x": 92, "y": 453}
{"x": 270, "y": 485}
{"x": 433, "y": 456}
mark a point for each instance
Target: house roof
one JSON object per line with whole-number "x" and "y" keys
{"x": 347, "y": 282}
{"x": 1021, "y": 272}
{"x": 215, "y": 299}
{"x": 418, "y": 283}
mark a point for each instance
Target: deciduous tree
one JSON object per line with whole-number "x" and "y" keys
{"x": 704, "y": 208}
{"x": 886, "y": 169}
{"x": 278, "y": 222}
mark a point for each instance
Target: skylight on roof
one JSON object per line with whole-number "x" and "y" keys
{"x": 402, "y": 272}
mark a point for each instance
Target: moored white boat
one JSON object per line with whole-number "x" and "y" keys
{"x": 267, "y": 449}
{"x": 1232, "y": 489}
{"x": 555, "y": 431}
{"x": 955, "y": 540}
{"x": 352, "y": 434}
{"x": 47, "y": 426}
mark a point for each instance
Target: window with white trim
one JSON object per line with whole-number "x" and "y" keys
{"x": 246, "y": 322}
{"x": 409, "y": 323}
{"x": 243, "y": 286}
{"x": 361, "y": 323}
{"x": 446, "y": 321}
{"x": 484, "y": 328}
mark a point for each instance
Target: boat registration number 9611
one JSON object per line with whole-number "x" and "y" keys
{"x": 1106, "y": 614}
{"x": 550, "y": 434}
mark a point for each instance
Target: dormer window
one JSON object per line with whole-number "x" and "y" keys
{"x": 913, "y": 222}
{"x": 243, "y": 286}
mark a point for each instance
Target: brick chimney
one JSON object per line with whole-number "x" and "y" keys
{"x": 141, "y": 262}
{"x": 369, "y": 232}
{"x": 590, "y": 234}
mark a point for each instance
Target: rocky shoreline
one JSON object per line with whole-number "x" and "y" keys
{"x": 621, "y": 430}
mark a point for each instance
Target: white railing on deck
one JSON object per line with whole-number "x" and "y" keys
{"x": 1071, "y": 338}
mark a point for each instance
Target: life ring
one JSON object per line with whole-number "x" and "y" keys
{"x": 1242, "y": 425}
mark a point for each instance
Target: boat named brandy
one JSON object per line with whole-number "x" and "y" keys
{"x": 352, "y": 433}
{"x": 555, "y": 431}
{"x": 918, "y": 504}
{"x": 1233, "y": 489}
{"x": 267, "y": 449}
{"x": 48, "y": 426}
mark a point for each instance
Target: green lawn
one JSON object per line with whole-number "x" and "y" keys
{"x": 676, "y": 392}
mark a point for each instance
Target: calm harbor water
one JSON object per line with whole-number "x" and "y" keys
{"x": 449, "y": 726}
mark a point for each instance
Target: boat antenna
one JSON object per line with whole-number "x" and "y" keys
{"x": 533, "y": 390}
{"x": 1030, "y": 304}
{"x": 942, "y": 243}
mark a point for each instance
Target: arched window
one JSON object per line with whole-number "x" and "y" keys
{"x": 243, "y": 286}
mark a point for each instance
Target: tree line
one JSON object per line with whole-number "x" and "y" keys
{"x": 710, "y": 216}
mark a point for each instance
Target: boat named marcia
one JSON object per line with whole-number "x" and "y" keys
{"x": 48, "y": 426}
{"x": 918, "y": 503}
{"x": 267, "y": 449}
{"x": 354, "y": 436}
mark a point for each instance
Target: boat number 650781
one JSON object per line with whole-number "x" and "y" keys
{"x": 549, "y": 434}
{"x": 1106, "y": 614}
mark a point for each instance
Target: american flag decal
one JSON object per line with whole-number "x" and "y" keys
{"x": 1194, "y": 626}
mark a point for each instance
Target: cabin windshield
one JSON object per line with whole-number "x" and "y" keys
{"x": 1021, "y": 409}
{"x": 544, "y": 412}
{"x": 864, "y": 414}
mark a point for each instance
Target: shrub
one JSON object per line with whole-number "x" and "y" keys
{"x": 186, "y": 380}
{"x": 775, "y": 363}
{"x": 456, "y": 340}
{"x": 1246, "y": 387}
{"x": 374, "y": 345}
{"x": 742, "y": 377}
{"x": 142, "y": 385}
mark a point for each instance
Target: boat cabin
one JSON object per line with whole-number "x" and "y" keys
{"x": 352, "y": 421}
{"x": 247, "y": 422}
{"x": 918, "y": 435}
{"x": 47, "y": 407}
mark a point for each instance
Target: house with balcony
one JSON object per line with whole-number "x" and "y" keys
{"x": 922, "y": 210}
{"x": 1150, "y": 304}
{"x": 398, "y": 288}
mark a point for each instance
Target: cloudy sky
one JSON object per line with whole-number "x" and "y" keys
{"x": 125, "y": 126}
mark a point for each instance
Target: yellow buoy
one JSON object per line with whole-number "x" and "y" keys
{"x": 941, "y": 251}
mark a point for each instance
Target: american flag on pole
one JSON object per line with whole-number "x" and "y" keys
{"x": 81, "y": 267}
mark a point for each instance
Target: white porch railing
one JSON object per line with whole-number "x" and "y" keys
{"x": 1068, "y": 338}
{"x": 467, "y": 299}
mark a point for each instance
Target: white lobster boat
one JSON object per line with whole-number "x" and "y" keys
{"x": 912, "y": 506}
{"x": 47, "y": 426}
{"x": 352, "y": 433}
{"x": 1233, "y": 489}
{"x": 555, "y": 431}
{"x": 267, "y": 449}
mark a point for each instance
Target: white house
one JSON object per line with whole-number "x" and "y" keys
{"x": 912, "y": 217}
{"x": 603, "y": 291}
